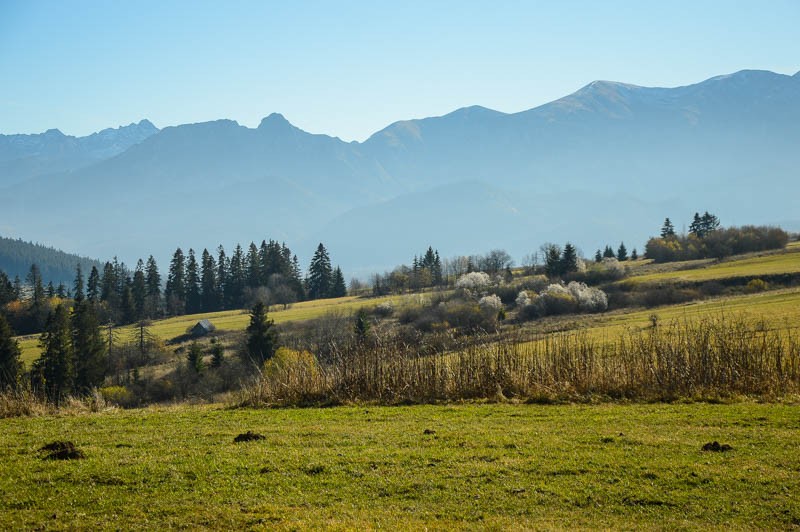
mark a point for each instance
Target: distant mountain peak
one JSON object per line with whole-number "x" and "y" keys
{"x": 273, "y": 120}
{"x": 53, "y": 133}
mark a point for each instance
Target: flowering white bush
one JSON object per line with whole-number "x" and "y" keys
{"x": 473, "y": 281}
{"x": 589, "y": 299}
{"x": 613, "y": 265}
{"x": 490, "y": 302}
{"x": 523, "y": 299}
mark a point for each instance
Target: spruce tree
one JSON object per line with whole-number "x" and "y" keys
{"x": 634, "y": 254}
{"x": 320, "y": 274}
{"x": 253, "y": 266}
{"x": 569, "y": 260}
{"x": 77, "y": 286}
{"x": 208, "y": 283}
{"x": 56, "y": 364}
{"x": 175, "y": 291}
{"x": 608, "y": 253}
{"x": 622, "y": 252}
{"x": 338, "y": 286}
{"x": 262, "y": 339}
{"x": 10, "y": 364}
{"x": 93, "y": 286}
{"x": 139, "y": 292}
{"x": 194, "y": 358}
{"x": 234, "y": 288}
{"x": 361, "y": 325}
{"x": 598, "y": 257}
{"x": 552, "y": 260}
{"x": 222, "y": 278}
{"x": 7, "y": 292}
{"x": 153, "y": 282}
{"x": 194, "y": 303}
{"x": 667, "y": 230}
{"x": 696, "y": 227}
{"x": 88, "y": 347}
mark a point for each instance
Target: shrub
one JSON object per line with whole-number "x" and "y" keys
{"x": 474, "y": 281}
{"x": 384, "y": 310}
{"x": 490, "y": 303}
{"x": 557, "y": 299}
{"x": 756, "y": 285}
{"x": 523, "y": 300}
{"x": 589, "y": 299}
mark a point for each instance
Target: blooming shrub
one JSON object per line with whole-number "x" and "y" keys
{"x": 490, "y": 303}
{"x": 474, "y": 281}
{"x": 589, "y": 299}
{"x": 523, "y": 299}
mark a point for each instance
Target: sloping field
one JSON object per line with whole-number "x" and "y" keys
{"x": 770, "y": 264}
{"x": 779, "y": 309}
{"x": 237, "y": 320}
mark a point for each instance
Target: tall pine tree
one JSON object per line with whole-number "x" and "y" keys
{"x": 10, "y": 364}
{"x": 175, "y": 291}
{"x": 320, "y": 274}
{"x": 194, "y": 303}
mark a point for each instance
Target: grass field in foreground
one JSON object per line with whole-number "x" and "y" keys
{"x": 483, "y": 466}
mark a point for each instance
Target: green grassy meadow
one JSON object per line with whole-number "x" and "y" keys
{"x": 445, "y": 467}
{"x": 787, "y": 261}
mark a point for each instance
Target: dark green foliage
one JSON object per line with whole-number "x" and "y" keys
{"x": 338, "y": 286}
{"x": 93, "y": 285}
{"x": 667, "y": 230}
{"x": 361, "y": 326}
{"x": 634, "y": 254}
{"x": 217, "y": 353}
{"x": 209, "y": 291}
{"x": 718, "y": 243}
{"x": 54, "y": 371}
{"x": 7, "y": 291}
{"x": 175, "y": 291}
{"x": 194, "y": 358}
{"x": 10, "y": 364}
{"x": 16, "y": 257}
{"x": 320, "y": 274}
{"x": 622, "y": 252}
{"x": 88, "y": 347}
{"x": 262, "y": 338}
{"x": 139, "y": 292}
{"x": 552, "y": 260}
{"x": 608, "y": 253}
{"x": 194, "y": 303}
{"x": 704, "y": 225}
{"x": 568, "y": 262}
{"x": 598, "y": 257}
{"x": 153, "y": 284}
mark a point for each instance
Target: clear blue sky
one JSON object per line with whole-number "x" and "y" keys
{"x": 351, "y": 68}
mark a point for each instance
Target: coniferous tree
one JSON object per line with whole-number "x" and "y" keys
{"x": 10, "y": 364}
{"x": 437, "y": 269}
{"x": 634, "y": 254}
{"x": 552, "y": 260}
{"x": 253, "y": 266}
{"x": 194, "y": 358}
{"x": 194, "y": 303}
{"x": 35, "y": 282}
{"x": 598, "y": 257}
{"x": 262, "y": 339}
{"x": 7, "y": 292}
{"x": 361, "y": 326}
{"x": 93, "y": 286}
{"x": 608, "y": 253}
{"x": 696, "y": 227}
{"x": 709, "y": 223}
{"x": 139, "y": 291}
{"x": 338, "y": 286}
{"x": 77, "y": 286}
{"x": 222, "y": 278}
{"x": 153, "y": 282}
{"x": 569, "y": 260}
{"x": 320, "y": 274}
{"x": 234, "y": 288}
{"x": 622, "y": 252}
{"x": 175, "y": 291}
{"x": 109, "y": 286}
{"x": 208, "y": 283}
{"x": 61, "y": 291}
{"x": 55, "y": 366}
{"x": 667, "y": 230}
{"x": 88, "y": 347}
{"x": 296, "y": 276}
{"x": 127, "y": 307}
{"x": 51, "y": 290}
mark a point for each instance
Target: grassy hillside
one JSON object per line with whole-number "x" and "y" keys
{"x": 787, "y": 261}
{"x": 482, "y": 466}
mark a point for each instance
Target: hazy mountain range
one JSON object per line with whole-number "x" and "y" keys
{"x": 606, "y": 163}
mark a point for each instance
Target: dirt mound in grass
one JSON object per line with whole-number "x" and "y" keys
{"x": 716, "y": 447}
{"x": 249, "y": 436}
{"x": 61, "y": 450}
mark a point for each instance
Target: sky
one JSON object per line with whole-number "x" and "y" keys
{"x": 349, "y": 69}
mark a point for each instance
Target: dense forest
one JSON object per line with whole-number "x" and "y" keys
{"x": 16, "y": 257}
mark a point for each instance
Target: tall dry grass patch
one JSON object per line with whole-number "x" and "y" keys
{"x": 717, "y": 357}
